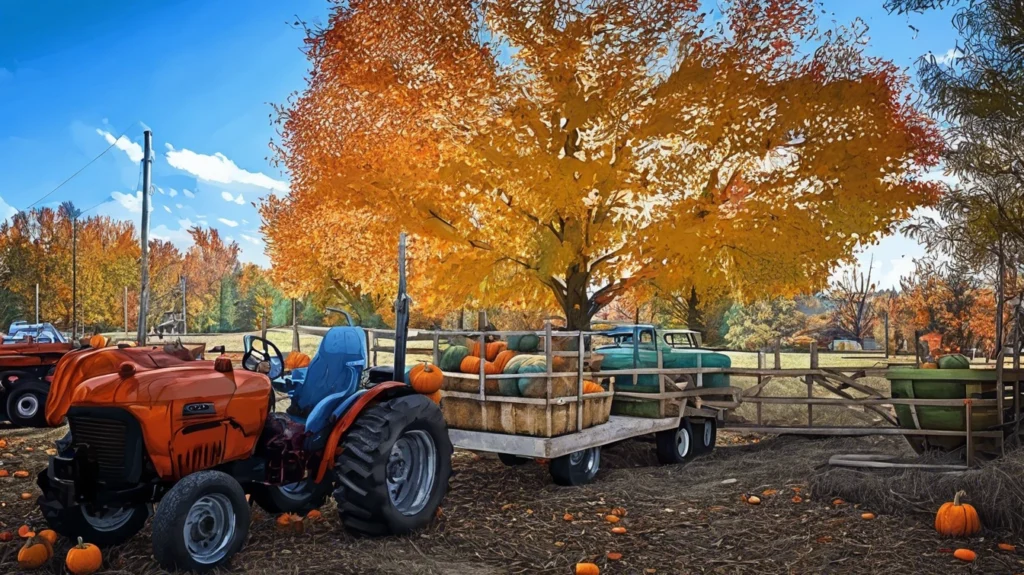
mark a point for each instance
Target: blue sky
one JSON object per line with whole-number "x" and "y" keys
{"x": 202, "y": 75}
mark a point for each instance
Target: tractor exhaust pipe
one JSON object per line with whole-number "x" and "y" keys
{"x": 401, "y": 314}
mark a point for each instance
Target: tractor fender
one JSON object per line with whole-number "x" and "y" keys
{"x": 388, "y": 388}
{"x": 19, "y": 377}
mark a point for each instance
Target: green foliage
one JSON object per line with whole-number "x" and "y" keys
{"x": 759, "y": 324}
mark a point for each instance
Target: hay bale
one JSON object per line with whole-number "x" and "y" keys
{"x": 996, "y": 488}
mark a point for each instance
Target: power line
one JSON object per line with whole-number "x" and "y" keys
{"x": 138, "y": 186}
{"x": 80, "y": 170}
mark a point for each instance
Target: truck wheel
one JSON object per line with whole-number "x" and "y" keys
{"x": 675, "y": 445}
{"x": 301, "y": 497}
{"x": 200, "y": 523}
{"x": 103, "y": 527}
{"x": 577, "y": 468}
{"x": 512, "y": 460}
{"x": 707, "y": 435}
{"x": 26, "y": 404}
{"x": 394, "y": 467}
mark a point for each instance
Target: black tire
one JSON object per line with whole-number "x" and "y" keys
{"x": 512, "y": 460}
{"x": 26, "y": 404}
{"x": 198, "y": 500}
{"x": 103, "y": 528}
{"x": 364, "y": 467}
{"x": 706, "y": 436}
{"x": 577, "y": 468}
{"x": 675, "y": 446}
{"x": 302, "y": 499}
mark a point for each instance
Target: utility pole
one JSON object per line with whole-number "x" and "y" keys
{"x": 126, "y": 311}
{"x": 74, "y": 276}
{"x": 37, "y": 303}
{"x": 147, "y": 167}
{"x": 184, "y": 317}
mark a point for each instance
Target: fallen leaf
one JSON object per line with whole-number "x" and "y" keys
{"x": 51, "y": 451}
{"x": 559, "y": 543}
{"x": 567, "y": 517}
{"x": 29, "y": 449}
{"x": 529, "y": 511}
{"x": 3, "y": 444}
{"x": 507, "y": 506}
{"x": 797, "y": 499}
{"x": 4, "y": 473}
{"x": 26, "y": 496}
{"x": 6, "y": 536}
{"x": 611, "y": 518}
{"x": 867, "y": 516}
{"x": 620, "y": 511}
{"x": 838, "y": 501}
{"x": 825, "y": 539}
{"x": 965, "y": 555}
{"x": 650, "y": 571}
{"x": 22, "y": 474}
{"x": 618, "y": 530}
{"x": 1008, "y": 547}
{"x": 796, "y": 489}
{"x": 769, "y": 492}
{"x": 729, "y": 481}
{"x": 613, "y": 556}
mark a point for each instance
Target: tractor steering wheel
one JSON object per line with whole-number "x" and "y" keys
{"x": 260, "y": 353}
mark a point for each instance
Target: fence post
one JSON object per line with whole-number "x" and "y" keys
{"x": 761, "y": 360}
{"x": 579, "y": 384}
{"x": 778, "y": 353}
{"x": 967, "y": 426}
{"x": 810, "y": 383}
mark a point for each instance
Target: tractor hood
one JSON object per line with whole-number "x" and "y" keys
{"x": 79, "y": 366}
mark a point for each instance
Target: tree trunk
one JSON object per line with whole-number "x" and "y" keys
{"x": 694, "y": 320}
{"x": 263, "y": 324}
{"x": 295, "y": 326}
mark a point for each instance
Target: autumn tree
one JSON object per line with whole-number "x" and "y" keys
{"x": 850, "y": 296}
{"x": 758, "y": 325}
{"x": 562, "y": 152}
{"x": 206, "y": 265}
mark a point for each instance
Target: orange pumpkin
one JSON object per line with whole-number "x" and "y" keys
{"x": 426, "y": 378}
{"x": 35, "y": 553}
{"x": 587, "y": 569}
{"x": 957, "y": 520}
{"x": 471, "y": 364}
{"x": 25, "y": 532}
{"x": 930, "y": 365}
{"x": 314, "y": 515}
{"x": 97, "y": 341}
{"x": 502, "y": 359}
{"x": 491, "y": 350}
{"x": 84, "y": 558}
{"x": 295, "y": 360}
{"x": 50, "y": 535}
{"x": 592, "y": 387}
{"x": 965, "y": 555}
{"x": 435, "y": 397}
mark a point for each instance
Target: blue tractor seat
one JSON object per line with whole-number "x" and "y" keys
{"x": 331, "y": 377}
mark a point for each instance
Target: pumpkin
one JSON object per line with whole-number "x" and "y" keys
{"x": 97, "y": 341}
{"x": 618, "y": 530}
{"x": 314, "y": 515}
{"x": 491, "y": 350}
{"x": 471, "y": 364}
{"x": 6, "y": 536}
{"x": 930, "y": 365}
{"x": 3, "y": 444}
{"x": 587, "y": 569}
{"x": 435, "y": 397}
{"x": 25, "y": 532}
{"x": 965, "y": 555}
{"x": 84, "y": 558}
{"x": 50, "y": 535}
{"x": 592, "y": 387}
{"x": 957, "y": 520}
{"x": 954, "y": 361}
{"x": 35, "y": 553}
{"x": 501, "y": 361}
{"x": 283, "y": 522}
{"x": 426, "y": 378}
{"x": 452, "y": 357}
{"x": 295, "y": 360}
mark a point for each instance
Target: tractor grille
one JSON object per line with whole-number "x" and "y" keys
{"x": 200, "y": 457}
{"x": 112, "y": 444}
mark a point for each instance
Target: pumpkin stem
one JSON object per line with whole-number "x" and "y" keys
{"x": 956, "y": 498}
{"x": 81, "y": 544}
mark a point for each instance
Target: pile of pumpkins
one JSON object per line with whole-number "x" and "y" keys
{"x": 948, "y": 361}
{"x": 82, "y": 559}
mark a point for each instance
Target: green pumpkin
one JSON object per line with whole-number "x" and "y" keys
{"x": 452, "y": 357}
{"x": 954, "y": 361}
{"x": 524, "y": 343}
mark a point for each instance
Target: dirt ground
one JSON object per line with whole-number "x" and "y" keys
{"x": 498, "y": 520}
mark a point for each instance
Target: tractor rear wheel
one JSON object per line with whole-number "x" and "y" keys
{"x": 200, "y": 523}
{"x": 101, "y": 526}
{"x": 394, "y": 467}
{"x": 26, "y": 404}
{"x": 301, "y": 497}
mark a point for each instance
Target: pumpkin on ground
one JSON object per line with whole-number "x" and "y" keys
{"x": 97, "y": 341}
{"x": 955, "y": 519}
{"x": 50, "y": 535}
{"x": 35, "y": 553}
{"x": 84, "y": 558}
{"x": 435, "y": 397}
{"x": 296, "y": 360}
{"x": 25, "y": 532}
{"x": 426, "y": 378}
{"x": 290, "y": 522}
{"x": 587, "y": 569}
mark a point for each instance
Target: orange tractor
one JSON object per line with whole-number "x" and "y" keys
{"x": 198, "y": 436}
{"x": 25, "y": 369}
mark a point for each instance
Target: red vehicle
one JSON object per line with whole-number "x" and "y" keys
{"x": 25, "y": 370}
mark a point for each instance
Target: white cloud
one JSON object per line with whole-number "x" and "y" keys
{"x": 179, "y": 206}
{"x": 245, "y": 221}
{"x": 131, "y": 202}
{"x": 227, "y": 222}
{"x": 6, "y": 210}
{"x": 133, "y": 150}
{"x": 168, "y": 208}
{"x": 239, "y": 200}
{"x": 172, "y": 192}
{"x": 229, "y": 239}
{"x": 227, "y": 196}
{"x": 218, "y": 168}
{"x": 179, "y": 237}
{"x": 252, "y": 240}
{"x": 159, "y": 189}
{"x": 200, "y": 217}
{"x": 950, "y": 55}
{"x": 187, "y": 193}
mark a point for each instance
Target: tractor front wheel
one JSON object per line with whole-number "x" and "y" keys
{"x": 201, "y": 522}
{"x": 394, "y": 467}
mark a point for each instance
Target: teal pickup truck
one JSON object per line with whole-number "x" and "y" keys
{"x": 627, "y": 347}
